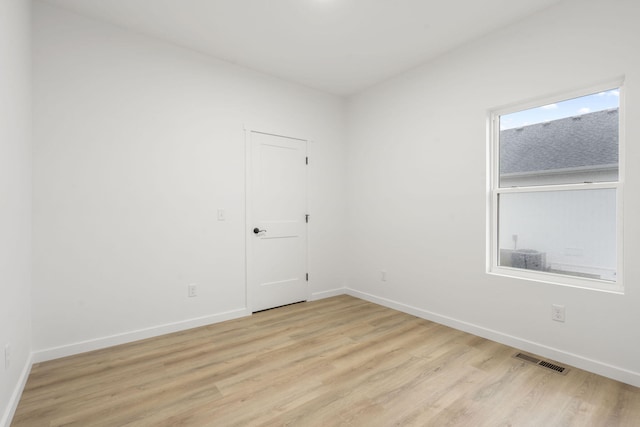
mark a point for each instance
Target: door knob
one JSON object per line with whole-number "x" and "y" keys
{"x": 257, "y": 230}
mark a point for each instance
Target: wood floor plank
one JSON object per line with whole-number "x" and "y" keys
{"x": 339, "y": 361}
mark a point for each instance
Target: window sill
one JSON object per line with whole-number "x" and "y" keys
{"x": 560, "y": 279}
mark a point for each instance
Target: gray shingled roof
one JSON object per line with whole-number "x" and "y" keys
{"x": 587, "y": 140}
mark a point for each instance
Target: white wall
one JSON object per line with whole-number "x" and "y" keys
{"x": 15, "y": 199}
{"x": 137, "y": 143}
{"x": 418, "y": 189}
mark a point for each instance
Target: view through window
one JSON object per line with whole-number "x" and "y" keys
{"x": 556, "y": 187}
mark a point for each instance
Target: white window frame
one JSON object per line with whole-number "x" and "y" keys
{"x": 494, "y": 192}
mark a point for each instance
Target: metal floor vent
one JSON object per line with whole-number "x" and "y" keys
{"x": 535, "y": 361}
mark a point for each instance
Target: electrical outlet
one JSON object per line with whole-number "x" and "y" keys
{"x": 192, "y": 290}
{"x": 557, "y": 313}
{"x": 383, "y": 275}
{"x": 7, "y": 356}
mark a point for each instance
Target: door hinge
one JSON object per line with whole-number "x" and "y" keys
{"x": 306, "y": 160}
{"x": 307, "y": 277}
{"x": 306, "y": 218}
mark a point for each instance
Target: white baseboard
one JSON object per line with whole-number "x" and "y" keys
{"x": 327, "y": 294}
{"x": 12, "y": 405}
{"x": 606, "y": 370}
{"x": 127, "y": 337}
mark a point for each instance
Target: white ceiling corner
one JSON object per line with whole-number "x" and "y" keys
{"x": 337, "y": 46}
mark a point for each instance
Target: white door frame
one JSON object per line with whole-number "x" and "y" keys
{"x": 249, "y": 220}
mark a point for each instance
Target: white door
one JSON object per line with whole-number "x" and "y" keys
{"x": 276, "y": 220}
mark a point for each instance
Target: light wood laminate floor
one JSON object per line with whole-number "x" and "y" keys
{"x": 335, "y": 362}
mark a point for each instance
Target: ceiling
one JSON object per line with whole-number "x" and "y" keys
{"x": 337, "y": 46}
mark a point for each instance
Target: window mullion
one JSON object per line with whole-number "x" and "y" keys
{"x": 558, "y": 187}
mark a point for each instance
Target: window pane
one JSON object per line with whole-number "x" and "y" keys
{"x": 564, "y": 232}
{"x": 568, "y": 142}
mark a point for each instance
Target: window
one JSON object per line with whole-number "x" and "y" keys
{"x": 556, "y": 190}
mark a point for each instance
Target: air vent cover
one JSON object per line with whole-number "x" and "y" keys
{"x": 545, "y": 364}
